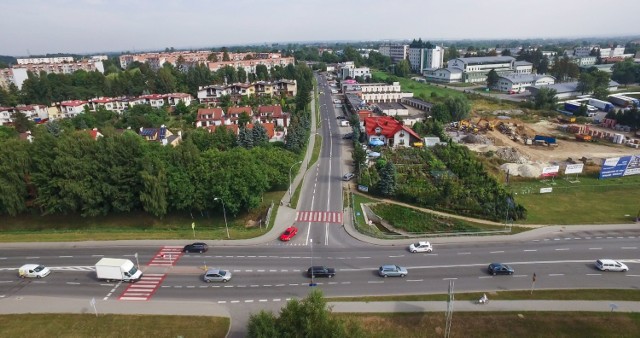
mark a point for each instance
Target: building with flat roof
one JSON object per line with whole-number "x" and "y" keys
{"x": 567, "y": 89}
{"x": 396, "y": 52}
{"x": 516, "y": 83}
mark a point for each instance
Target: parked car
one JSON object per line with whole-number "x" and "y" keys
{"x": 196, "y": 247}
{"x": 391, "y": 270}
{"x": 216, "y": 275}
{"x": 420, "y": 247}
{"x": 610, "y": 265}
{"x": 341, "y": 117}
{"x": 33, "y": 271}
{"x": 348, "y": 176}
{"x": 336, "y": 101}
{"x": 500, "y": 269}
{"x": 288, "y": 234}
{"x": 321, "y": 271}
{"x": 347, "y": 136}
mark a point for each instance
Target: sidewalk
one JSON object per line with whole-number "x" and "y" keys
{"x": 497, "y": 306}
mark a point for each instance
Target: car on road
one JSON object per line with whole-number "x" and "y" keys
{"x": 500, "y": 269}
{"x": 348, "y": 176}
{"x": 347, "y": 136}
{"x": 336, "y": 101}
{"x": 392, "y": 270}
{"x": 420, "y": 247}
{"x": 341, "y": 117}
{"x": 321, "y": 271}
{"x": 216, "y": 275}
{"x": 288, "y": 234}
{"x": 33, "y": 271}
{"x": 196, "y": 247}
{"x": 610, "y": 265}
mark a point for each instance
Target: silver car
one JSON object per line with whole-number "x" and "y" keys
{"x": 217, "y": 275}
{"x": 392, "y": 271}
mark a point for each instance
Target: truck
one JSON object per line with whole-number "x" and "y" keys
{"x": 545, "y": 140}
{"x": 623, "y": 101}
{"x": 117, "y": 269}
{"x": 602, "y": 105}
{"x": 574, "y": 107}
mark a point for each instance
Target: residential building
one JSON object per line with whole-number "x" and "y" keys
{"x": 396, "y": 52}
{"x": 213, "y": 93}
{"x": 72, "y": 108}
{"x": 207, "y": 117}
{"x": 19, "y": 72}
{"x": 390, "y": 131}
{"x": 33, "y": 61}
{"x": 162, "y": 135}
{"x": 189, "y": 58}
{"x": 250, "y": 65}
{"x": 272, "y": 114}
{"x": 5, "y": 115}
{"x": 516, "y": 83}
{"x": 349, "y": 70}
{"x": 426, "y": 58}
{"x": 584, "y": 61}
{"x": 153, "y": 100}
{"x": 376, "y": 92}
{"x": 272, "y": 118}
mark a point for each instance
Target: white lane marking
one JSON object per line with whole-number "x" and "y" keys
{"x": 222, "y": 302}
{"x": 518, "y": 276}
{"x": 363, "y": 257}
{"x": 65, "y": 256}
{"x": 263, "y": 300}
{"x": 464, "y": 253}
{"x": 415, "y": 280}
{"x": 530, "y": 250}
{"x": 33, "y": 257}
{"x": 629, "y": 247}
{"x": 276, "y": 299}
{"x": 396, "y": 256}
{"x": 556, "y": 274}
{"x": 632, "y": 275}
{"x": 73, "y": 283}
{"x": 294, "y": 284}
{"x": 249, "y": 301}
{"x": 485, "y": 277}
{"x": 594, "y": 274}
{"x": 496, "y": 252}
{"x": 450, "y": 278}
{"x": 375, "y": 282}
{"x": 595, "y": 248}
{"x": 563, "y": 249}
{"x": 235, "y": 301}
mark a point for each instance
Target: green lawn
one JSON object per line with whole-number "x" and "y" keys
{"x": 499, "y": 324}
{"x": 88, "y": 325}
{"x": 421, "y": 89}
{"x": 134, "y": 225}
{"x": 590, "y": 201}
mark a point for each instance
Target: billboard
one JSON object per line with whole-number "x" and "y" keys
{"x": 620, "y": 166}
{"x": 573, "y": 168}
{"x": 550, "y": 171}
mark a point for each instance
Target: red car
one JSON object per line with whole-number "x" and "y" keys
{"x": 289, "y": 233}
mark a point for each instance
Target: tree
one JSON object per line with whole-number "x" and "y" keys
{"x": 262, "y": 73}
{"x": 21, "y": 122}
{"x": 492, "y": 78}
{"x": 310, "y": 318}
{"x": 451, "y": 53}
{"x": 545, "y": 98}
{"x": 458, "y": 106}
{"x": 213, "y": 57}
{"x": 625, "y": 72}
{"x": 506, "y": 52}
{"x": 242, "y": 75}
{"x": 586, "y": 83}
{"x": 387, "y": 183}
{"x": 225, "y": 54}
{"x": 403, "y": 68}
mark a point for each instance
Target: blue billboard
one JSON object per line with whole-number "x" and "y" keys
{"x": 620, "y": 166}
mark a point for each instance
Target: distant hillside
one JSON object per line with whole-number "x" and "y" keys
{"x": 7, "y": 59}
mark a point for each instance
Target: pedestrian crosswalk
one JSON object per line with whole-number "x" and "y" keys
{"x": 144, "y": 288}
{"x": 319, "y": 216}
{"x": 167, "y": 256}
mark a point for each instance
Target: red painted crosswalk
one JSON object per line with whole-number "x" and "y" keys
{"x": 144, "y": 288}
{"x": 319, "y": 216}
{"x": 167, "y": 256}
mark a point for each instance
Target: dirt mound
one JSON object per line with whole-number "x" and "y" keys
{"x": 510, "y": 154}
{"x": 522, "y": 170}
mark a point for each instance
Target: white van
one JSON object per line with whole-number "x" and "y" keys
{"x": 610, "y": 265}
{"x": 344, "y": 123}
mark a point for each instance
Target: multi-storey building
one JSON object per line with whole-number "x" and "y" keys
{"x": 249, "y": 66}
{"x": 272, "y": 118}
{"x": 376, "y": 92}
{"x": 18, "y": 73}
{"x": 426, "y": 58}
{"x": 213, "y": 93}
{"x": 247, "y": 61}
{"x": 396, "y": 52}
{"x": 474, "y": 69}
{"x": 348, "y": 69}
{"x": 33, "y": 61}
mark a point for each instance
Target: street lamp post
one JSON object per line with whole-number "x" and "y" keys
{"x": 311, "y": 244}
{"x": 290, "y": 177}
{"x": 224, "y": 211}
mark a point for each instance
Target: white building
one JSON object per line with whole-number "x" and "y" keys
{"x": 33, "y": 61}
{"x": 72, "y": 108}
{"x": 348, "y": 69}
{"x": 426, "y": 58}
{"x": 445, "y": 75}
{"x": 474, "y": 69}
{"x": 582, "y": 51}
{"x": 516, "y": 83}
{"x": 396, "y": 52}
{"x": 523, "y": 67}
{"x": 584, "y": 61}
{"x": 376, "y": 92}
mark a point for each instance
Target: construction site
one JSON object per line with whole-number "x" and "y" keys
{"x": 526, "y": 148}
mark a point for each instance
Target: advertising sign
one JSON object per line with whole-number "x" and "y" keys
{"x": 620, "y": 166}
{"x": 550, "y": 171}
{"x": 545, "y": 190}
{"x": 573, "y": 168}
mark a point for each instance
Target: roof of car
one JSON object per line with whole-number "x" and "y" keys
{"x": 423, "y": 243}
{"x": 213, "y": 270}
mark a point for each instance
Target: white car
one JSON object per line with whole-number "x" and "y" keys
{"x": 33, "y": 271}
{"x": 610, "y": 265}
{"x": 420, "y": 247}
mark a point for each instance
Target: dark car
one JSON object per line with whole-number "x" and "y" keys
{"x": 500, "y": 269}
{"x": 341, "y": 117}
{"x": 347, "y": 136}
{"x": 321, "y": 271}
{"x": 196, "y": 247}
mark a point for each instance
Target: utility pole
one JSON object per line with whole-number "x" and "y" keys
{"x": 449, "y": 314}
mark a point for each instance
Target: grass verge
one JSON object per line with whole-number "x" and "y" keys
{"x": 108, "y": 325}
{"x": 499, "y": 324}
{"x": 569, "y": 294}
{"x": 589, "y": 201}
{"x": 317, "y": 145}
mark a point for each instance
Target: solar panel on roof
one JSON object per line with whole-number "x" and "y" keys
{"x": 148, "y": 132}
{"x": 163, "y": 132}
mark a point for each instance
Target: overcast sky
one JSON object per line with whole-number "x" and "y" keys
{"x": 92, "y": 26}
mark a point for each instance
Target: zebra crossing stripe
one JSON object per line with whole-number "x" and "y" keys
{"x": 319, "y": 216}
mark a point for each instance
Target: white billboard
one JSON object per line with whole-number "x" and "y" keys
{"x": 550, "y": 171}
{"x": 574, "y": 168}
